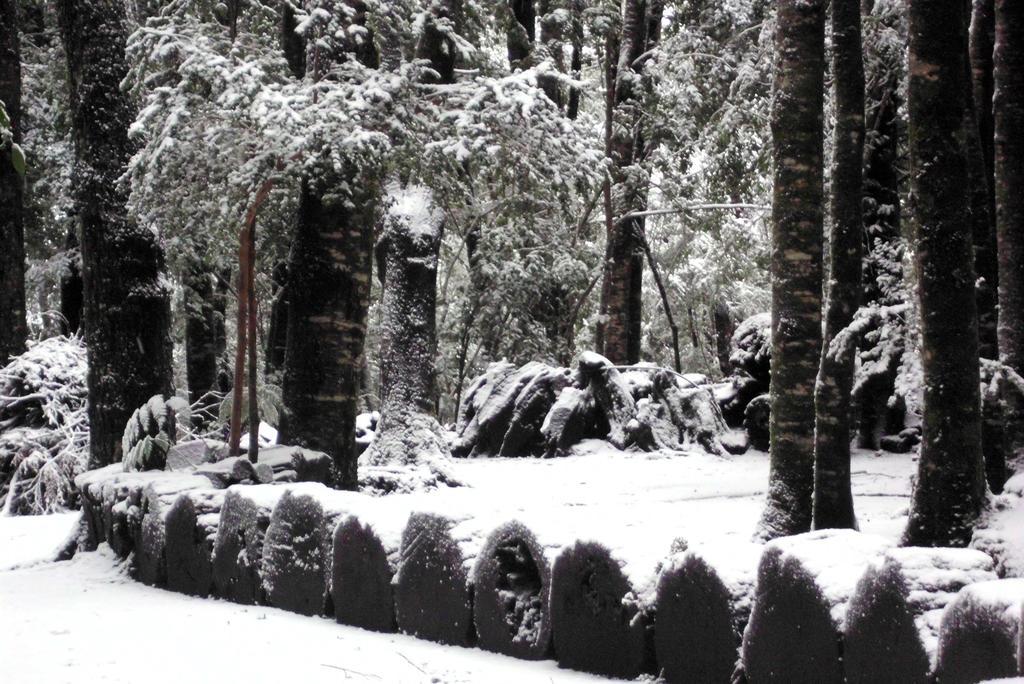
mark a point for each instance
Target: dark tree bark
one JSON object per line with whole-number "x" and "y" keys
{"x": 833, "y": 499}
{"x": 329, "y": 295}
{"x": 618, "y": 330}
{"x": 1009, "y": 183}
{"x": 797, "y": 223}
{"x": 201, "y": 352}
{"x": 13, "y": 328}
{"x": 277, "y": 334}
{"x": 552, "y": 36}
{"x": 71, "y": 299}
{"x": 127, "y": 307}
{"x": 576, "y": 62}
{"x": 521, "y": 33}
{"x": 725, "y": 326}
{"x": 950, "y": 486}
{"x": 978, "y": 124}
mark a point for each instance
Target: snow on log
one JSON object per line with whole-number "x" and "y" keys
{"x": 804, "y": 584}
{"x": 511, "y": 591}
{"x": 294, "y": 563}
{"x": 891, "y": 632}
{"x": 733, "y": 396}
{"x": 702, "y": 603}
{"x": 191, "y": 531}
{"x": 366, "y": 552}
{"x": 612, "y": 395}
{"x": 756, "y": 420}
{"x": 1000, "y": 531}
{"x": 238, "y": 548}
{"x": 982, "y": 633}
{"x": 596, "y": 618}
{"x": 284, "y": 463}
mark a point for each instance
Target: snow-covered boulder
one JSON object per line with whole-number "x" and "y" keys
{"x": 238, "y": 547}
{"x": 191, "y": 531}
{"x": 433, "y": 598}
{"x": 511, "y": 590}
{"x": 892, "y": 624}
{"x": 982, "y": 633}
{"x": 752, "y": 348}
{"x": 598, "y": 624}
{"x": 702, "y": 603}
{"x": 804, "y": 586}
{"x": 294, "y": 563}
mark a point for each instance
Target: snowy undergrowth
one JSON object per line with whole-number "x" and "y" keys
{"x": 44, "y": 433}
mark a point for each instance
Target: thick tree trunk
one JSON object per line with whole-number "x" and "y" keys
{"x": 986, "y": 263}
{"x": 1009, "y": 170}
{"x": 71, "y": 299}
{"x": 13, "y": 328}
{"x": 553, "y": 27}
{"x": 329, "y": 268}
{"x": 127, "y": 310}
{"x": 292, "y": 44}
{"x": 618, "y": 329}
{"x": 950, "y": 486}
{"x": 201, "y": 353}
{"x": 833, "y": 499}
{"x": 797, "y": 223}
{"x": 576, "y": 62}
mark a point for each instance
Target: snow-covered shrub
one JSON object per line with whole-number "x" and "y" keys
{"x": 44, "y": 430}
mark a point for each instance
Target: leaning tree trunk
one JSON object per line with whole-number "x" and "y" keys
{"x": 618, "y": 329}
{"x": 201, "y": 352}
{"x": 950, "y": 485}
{"x": 520, "y": 33}
{"x": 127, "y": 302}
{"x": 833, "y": 499}
{"x": 797, "y": 223}
{"x": 1009, "y": 167}
{"x": 13, "y": 329}
{"x": 329, "y": 268}
{"x": 277, "y": 333}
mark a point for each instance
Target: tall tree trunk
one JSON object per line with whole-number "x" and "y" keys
{"x": 1009, "y": 175}
{"x": 833, "y": 498}
{"x": 950, "y": 485}
{"x": 292, "y": 44}
{"x": 329, "y": 268}
{"x": 13, "y": 328}
{"x": 277, "y": 334}
{"x": 201, "y": 353}
{"x": 127, "y": 303}
{"x": 576, "y": 62}
{"x": 797, "y": 223}
{"x": 71, "y": 299}
{"x": 977, "y": 122}
{"x": 618, "y": 329}
{"x": 552, "y": 36}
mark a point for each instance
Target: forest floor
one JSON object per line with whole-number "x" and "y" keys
{"x": 62, "y": 622}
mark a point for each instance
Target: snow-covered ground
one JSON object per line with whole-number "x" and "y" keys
{"x": 85, "y": 619}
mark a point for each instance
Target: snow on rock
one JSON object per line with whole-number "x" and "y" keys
{"x": 982, "y": 633}
{"x": 752, "y": 347}
{"x": 598, "y": 624}
{"x": 804, "y": 586}
{"x": 191, "y": 532}
{"x": 366, "y": 429}
{"x": 892, "y": 624}
{"x": 1000, "y": 531}
{"x": 702, "y": 603}
{"x": 294, "y": 563}
{"x": 238, "y": 546}
{"x": 511, "y": 581}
